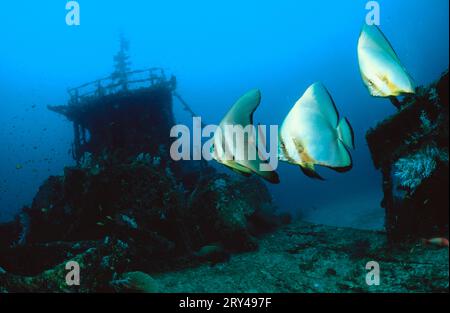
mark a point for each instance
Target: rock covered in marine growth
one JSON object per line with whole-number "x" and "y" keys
{"x": 98, "y": 263}
{"x": 156, "y": 212}
{"x": 127, "y": 210}
{"x": 411, "y": 150}
{"x": 226, "y": 206}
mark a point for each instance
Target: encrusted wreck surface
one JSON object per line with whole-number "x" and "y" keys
{"x": 411, "y": 150}
{"x": 144, "y": 205}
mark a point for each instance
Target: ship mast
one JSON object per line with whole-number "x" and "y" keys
{"x": 122, "y": 64}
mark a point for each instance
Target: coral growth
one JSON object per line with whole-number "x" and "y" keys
{"x": 413, "y": 169}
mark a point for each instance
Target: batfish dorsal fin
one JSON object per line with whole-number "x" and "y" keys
{"x": 318, "y": 99}
{"x": 373, "y": 38}
{"x": 242, "y": 111}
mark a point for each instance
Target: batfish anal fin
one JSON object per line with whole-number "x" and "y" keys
{"x": 308, "y": 170}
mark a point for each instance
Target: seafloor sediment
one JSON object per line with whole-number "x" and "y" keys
{"x": 304, "y": 257}
{"x": 300, "y": 257}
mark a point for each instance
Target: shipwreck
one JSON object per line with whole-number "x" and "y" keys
{"x": 126, "y": 206}
{"x": 410, "y": 148}
{"x": 137, "y": 221}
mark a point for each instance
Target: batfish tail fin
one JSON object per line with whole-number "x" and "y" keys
{"x": 345, "y": 133}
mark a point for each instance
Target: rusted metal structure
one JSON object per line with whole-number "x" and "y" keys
{"x": 126, "y": 116}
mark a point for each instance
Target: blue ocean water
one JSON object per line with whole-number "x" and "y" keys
{"x": 218, "y": 50}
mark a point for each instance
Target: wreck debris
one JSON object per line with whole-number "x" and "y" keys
{"x": 411, "y": 150}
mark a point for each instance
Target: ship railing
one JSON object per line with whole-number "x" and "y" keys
{"x": 121, "y": 82}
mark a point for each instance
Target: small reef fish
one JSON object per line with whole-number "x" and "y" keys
{"x": 312, "y": 134}
{"x": 137, "y": 282}
{"x": 381, "y": 69}
{"x": 440, "y": 242}
{"x": 214, "y": 253}
{"x": 19, "y": 166}
{"x": 240, "y": 114}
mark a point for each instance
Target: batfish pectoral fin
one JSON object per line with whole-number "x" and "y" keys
{"x": 308, "y": 170}
{"x": 237, "y": 168}
{"x": 246, "y": 174}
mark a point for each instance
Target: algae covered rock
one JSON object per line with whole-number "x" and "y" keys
{"x": 97, "y": 267}
{"x": 127, "y": 217}
{"x": 83, "y": 206}
{"x": 223, "y": 207}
